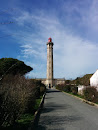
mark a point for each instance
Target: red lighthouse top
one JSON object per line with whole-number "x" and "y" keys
{"x": 49, "y": 39}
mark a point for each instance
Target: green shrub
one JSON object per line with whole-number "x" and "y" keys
{"x": 74, "y": 90}
{"x": 42, "y": 89}
{"x": 60, "y": 87}
{"x": 17, "y": 96}
{"x": 91, "y": 94}
{"x": 67, "y": 88}
{"x": 64, "y": 87}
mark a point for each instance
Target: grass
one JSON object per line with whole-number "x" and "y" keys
{"x": 24, "y": 122}
{"x": 37, "y": 103}
{"x": 77, "y": 95}
{"x": 26, "y": 118}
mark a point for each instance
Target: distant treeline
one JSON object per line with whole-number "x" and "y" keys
{"x": 85, "y": 80}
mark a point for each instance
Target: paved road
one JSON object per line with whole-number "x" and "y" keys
{"x": 64, "y": 112}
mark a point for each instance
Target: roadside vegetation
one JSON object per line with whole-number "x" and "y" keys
{"x": 19, "y": 99}
{"x": 89, "y": 93}
{"x": 85, "y": 80}
{"x": 13, "y": 66}
{"x": 68, "y": 88}
{"x": 19, "y": 96}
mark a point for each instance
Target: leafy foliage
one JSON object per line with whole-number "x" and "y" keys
{"x": 74, "y": 90}
{"x": 13, "y": 66}
{"x": 67, "y": 88}
{"x": 17, "y": 96}
{"x": 85, "y": 80}
{"x": 91, "y": 94}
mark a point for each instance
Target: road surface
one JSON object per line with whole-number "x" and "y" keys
{"x": 64, "y": 112}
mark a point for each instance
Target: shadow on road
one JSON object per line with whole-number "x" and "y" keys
{"x": 55, "y": 121}
{"x": 54, "y": 107}
{"x": 40, "y": 127}
{"x": 52, "y": 91}
{"x": 51, "y": 115}
{"x": 52, "y": 120}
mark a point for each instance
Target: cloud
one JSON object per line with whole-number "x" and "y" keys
{"x": 73, "y": 54}
{"x": 82, "y": 13}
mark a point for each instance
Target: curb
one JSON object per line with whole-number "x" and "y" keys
{"x": 83, "y": 100}
{"x": 90, "y": 103}
{"x": 37, "y": 114}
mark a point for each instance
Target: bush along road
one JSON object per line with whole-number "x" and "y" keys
{"x": 19, "y": 99}
{"x": 90, "y": 94}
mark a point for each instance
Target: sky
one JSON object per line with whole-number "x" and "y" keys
{"x": 26, "y": 25}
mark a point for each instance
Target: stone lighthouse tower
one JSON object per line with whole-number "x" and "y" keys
{"x": 50, "y": 62}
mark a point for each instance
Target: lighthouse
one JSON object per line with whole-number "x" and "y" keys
{"x": 49, "y": 81}
{"x": 49, "y": 63}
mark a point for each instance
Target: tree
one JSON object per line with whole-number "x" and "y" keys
{"x": 13, "y": 66}
{"x": 85, "y": 80}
